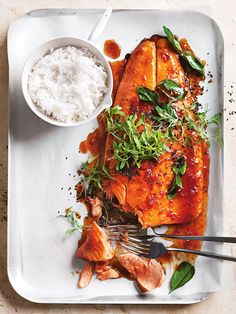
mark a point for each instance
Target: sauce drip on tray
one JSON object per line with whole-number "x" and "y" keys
{"x": 112, "y": 49}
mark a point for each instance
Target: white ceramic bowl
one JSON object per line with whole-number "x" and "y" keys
{"x": 54, "y": 44}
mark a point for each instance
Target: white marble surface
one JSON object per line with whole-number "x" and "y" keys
{"x": 225, "y": 14}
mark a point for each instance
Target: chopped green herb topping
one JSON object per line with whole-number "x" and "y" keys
{"x": 134, "y": 138}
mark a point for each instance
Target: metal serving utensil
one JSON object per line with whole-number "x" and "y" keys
{"x": 131, "y": 240}
{"x": 132, "y": 230}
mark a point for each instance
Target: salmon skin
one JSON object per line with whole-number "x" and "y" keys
{"x": 145, "y": 194}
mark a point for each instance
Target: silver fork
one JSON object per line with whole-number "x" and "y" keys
{"x": 151, "y": 249}
{"x": 130, "y": 239}
{"x": 114, "y": 233}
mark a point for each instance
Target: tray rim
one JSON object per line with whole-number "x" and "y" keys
{"x": 72, "y": 300}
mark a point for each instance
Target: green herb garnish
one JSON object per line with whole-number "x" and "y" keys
{"x": 166, "y": 117}
{"x": 174, "y": 42}
{"x": 93, "y": 177}
{"x": 182, "y": 275}
{"x": 147, "y": 95}
{"x": 134, "y": 138}
{"x": 171, "y": 89}
{"x": 201, "y": 123}
{"x": 215, "y": 119}
{"x": 73, "y": 218}
{"x": 191, "y": 60}
{"x": 179, "y": 168}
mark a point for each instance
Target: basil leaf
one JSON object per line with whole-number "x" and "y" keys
{"x": 193, "y": 62}
{"x": 215, "y": 119}
{"x": 180, "y": 166}
{"x": 171, "y": 89}
{"x": 173, "y": 41}
{"x": 147, "y": 95}
{"x": 179, "y": 169}
{"x": 183, "y": 274}
{"x": 176, "y": 185}
{"x": 186, "y": 55}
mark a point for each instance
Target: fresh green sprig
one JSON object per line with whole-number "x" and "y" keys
{"x": 166, "y": 116}
{"x": 191, "y": 60}
{"x": 72, "y": 217}
{"x": 134, "y": 139}
{"x": 93, "y": 177}
{"x": 200, "y": 124}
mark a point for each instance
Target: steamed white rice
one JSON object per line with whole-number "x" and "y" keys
{"x": 68, "y": 84}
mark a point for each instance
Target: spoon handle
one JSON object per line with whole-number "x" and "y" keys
{"x": 98, "y": 28}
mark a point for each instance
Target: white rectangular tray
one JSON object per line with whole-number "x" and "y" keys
{"x": 43, "y": 159}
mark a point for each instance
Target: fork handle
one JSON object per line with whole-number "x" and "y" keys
{"x": 202, "y": 253}
{"x": 200, "y": 238}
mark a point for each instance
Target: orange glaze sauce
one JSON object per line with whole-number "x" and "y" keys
{"x": 95, "y": 140}
{"x": 112, "y": 49}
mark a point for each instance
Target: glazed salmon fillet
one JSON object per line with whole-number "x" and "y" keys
{"x": 145, "y": 193}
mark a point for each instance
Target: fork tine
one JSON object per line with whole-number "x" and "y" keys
{"x": 144, "y": 248}
{"x": 123, "y": 227}
{"x": 133, "y": 250}
{"x": 141, "y": 244}
{"x": 137, "y": 239}
{"x": 119, "y": 234}
{"x": 122, "y": 230}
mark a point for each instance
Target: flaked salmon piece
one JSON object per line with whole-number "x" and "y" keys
{"x": 96, "y": 246}
{"x": 96, "y": 210}
{"x": 116, "y": 187}
{"x": 85, "y": 275}
{"x": 102, "y": 266}
{"x": 105, "y": 271}
{"x": 148, "y": 273}
{"x": 108, "y": 274}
